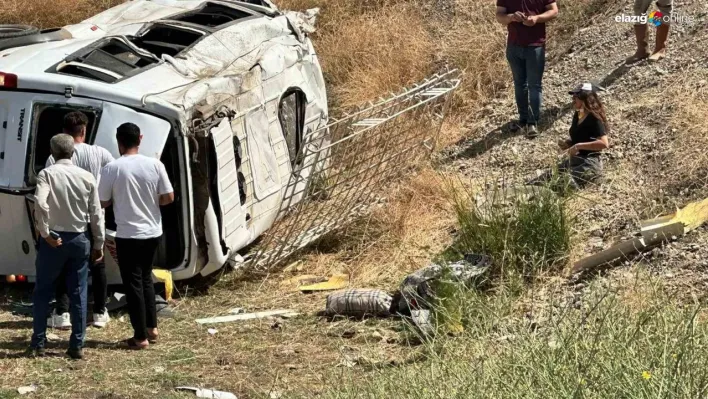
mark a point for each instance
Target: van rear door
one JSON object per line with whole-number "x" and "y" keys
{"x": 27, "y": 123}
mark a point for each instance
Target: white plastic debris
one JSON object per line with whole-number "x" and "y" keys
{"x": 248, "y": 316}
{"x": 27, "y": 389}
{"x": 212, "y": 331}
{"x": 208, "y": 393}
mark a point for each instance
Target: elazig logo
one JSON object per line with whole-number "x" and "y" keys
{"x": 655, "y": 18}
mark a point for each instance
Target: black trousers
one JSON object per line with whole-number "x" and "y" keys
{"x": 99, "y": 287}
{"x": 135, "y": 259}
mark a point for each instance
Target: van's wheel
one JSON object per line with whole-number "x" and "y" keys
{"x": 12, "y": 31}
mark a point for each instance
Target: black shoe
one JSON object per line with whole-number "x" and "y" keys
{"x": 35, "y": 352}
{"x": 76, "y": 354}
{"x": 516, "y": 126}
{"x": 531, "y": 131}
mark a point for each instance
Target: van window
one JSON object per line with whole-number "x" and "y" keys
{"x": 48, "y": 121}
{"x": 291, "y": 113}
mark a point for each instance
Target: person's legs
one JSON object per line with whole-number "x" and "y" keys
{"x": 60, "y": 318}
{"x": 515, "y": 57}
{"x": 49, "y": 265}
{"x": 62, "y": 304}
{"x": 129, "y": 256}
{"x": 147, "y": 256}
{"x": 99, "y": 286}
{"x": 640, "y": 32}
{"x": 535, "y": 66}
{"x": 78, "y": 247}
{"x": 586, "y": 170}
{"x": 662, "y": 36}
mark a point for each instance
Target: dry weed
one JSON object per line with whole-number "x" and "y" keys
{"x": 51, "y": 13}
{"x": 688, "y": 158}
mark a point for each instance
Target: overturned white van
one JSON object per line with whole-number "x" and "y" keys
{"x": 225, "y": 93}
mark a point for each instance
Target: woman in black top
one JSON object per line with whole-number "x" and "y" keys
{"x": 588, "y": 137}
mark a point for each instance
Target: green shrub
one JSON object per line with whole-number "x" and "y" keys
{"x": 524, "y": 230}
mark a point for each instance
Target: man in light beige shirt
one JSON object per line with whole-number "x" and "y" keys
{"x": 67, "y": 204}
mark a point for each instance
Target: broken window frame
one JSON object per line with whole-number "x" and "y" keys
{"x": 178, "y": 25}
{"x": 76, "y": 59}
{"x": 237, "y": 7}
{"x": 38, "y": 108}
{"x": 294, "y": 154}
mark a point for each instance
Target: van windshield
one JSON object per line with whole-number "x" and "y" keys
{"x": 48, "y": 122}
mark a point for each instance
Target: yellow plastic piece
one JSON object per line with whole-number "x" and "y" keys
{"x": 165, "y": 276}
{"x": 336, "y": 282}
{"x": 692, "y": 215}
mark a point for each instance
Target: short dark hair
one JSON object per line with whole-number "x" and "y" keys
{"x": 74, "y": 122}
{"x": 128, "y": 135}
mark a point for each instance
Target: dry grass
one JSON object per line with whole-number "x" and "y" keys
{"x": 51, "y": 13}
{"x": 689, "y": 160}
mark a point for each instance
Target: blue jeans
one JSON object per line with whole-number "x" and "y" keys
{"x": 71, "y": 258}
{"x": 527, "y": 65}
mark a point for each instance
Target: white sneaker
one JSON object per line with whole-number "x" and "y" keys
{"x": 59, "y": 321}
{"x": 101, "y": 319}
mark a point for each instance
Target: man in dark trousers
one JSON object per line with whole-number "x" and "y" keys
{"x": 92, "y": 159}
{"x": 67, "y": 204}
{"x": 136, "y": 186}
{"x": 526, "y": 24}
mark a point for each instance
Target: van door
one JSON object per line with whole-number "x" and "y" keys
{"x": 155, "y": 131}
{"x": 228, "y": 202}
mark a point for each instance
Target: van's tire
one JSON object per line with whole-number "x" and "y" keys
{"x": 13, "y": 31}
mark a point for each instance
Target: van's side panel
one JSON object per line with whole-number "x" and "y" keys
{"x": 16, "y": 241}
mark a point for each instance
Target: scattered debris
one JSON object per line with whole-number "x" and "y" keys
{"x": 422, "y": 319}
{"x": 306, "y": 279}
{"x": 293, "y": 267}
{"x": 416, "y": 290}
{"x": 347, "y": 334}
{"x": 165, "y": 276}
{"x": 208, "y": 393}
{"x": 116, "y": 301}
{"x": 336, "y": 282}
{"x": 25, "y": 390}
{"x": 653, "y": 233}
{"x": 212, "y": 331}
{"x": 248, "y": 316}
{"x": 159, "y": 369}
{"x": 275, "y": 395}
{"x": 237, "y": 311}
{"x": 349, "y": 361}
{"x": 359, "y": 303}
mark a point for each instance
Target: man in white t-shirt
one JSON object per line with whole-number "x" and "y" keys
{"x": 91, "y": 159}
{"x": 136, "y": 186}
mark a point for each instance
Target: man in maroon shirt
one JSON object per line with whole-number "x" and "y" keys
{"x": 526, "y": 22}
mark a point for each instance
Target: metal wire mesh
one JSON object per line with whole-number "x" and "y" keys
{"x": 348, "y": 165}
